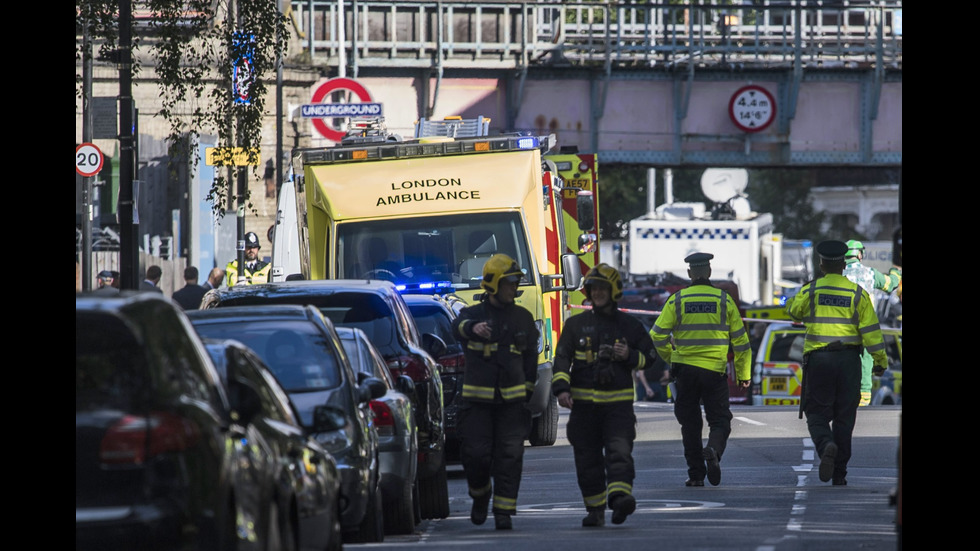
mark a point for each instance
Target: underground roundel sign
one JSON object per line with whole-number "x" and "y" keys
{"x": 319, "y": 111}
{"x": 752, "y": 108}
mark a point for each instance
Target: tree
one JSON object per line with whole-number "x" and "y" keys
{"x": 200, "y": 51}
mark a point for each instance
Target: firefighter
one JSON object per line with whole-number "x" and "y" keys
{"x": 256, "y": 271}
{"x": 840, "y": 320}
{"x": 500, "y": 340}
{"x": 869, "y": 279}
{"x": 595, "y": 359}
{"x": 703, "y": 322}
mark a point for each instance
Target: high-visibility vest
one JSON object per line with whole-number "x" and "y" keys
{"x": 259, "y": 275}
{"x": 703, "y": 321}
{"x": 838, "y": 311}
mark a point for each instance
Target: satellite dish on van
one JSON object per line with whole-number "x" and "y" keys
{"x": 722, "y": 184}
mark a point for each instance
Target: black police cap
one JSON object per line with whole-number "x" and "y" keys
{"x": 832, "y": 250}
{"x": 251, "y": 240}
{"x": 699, "y": 259}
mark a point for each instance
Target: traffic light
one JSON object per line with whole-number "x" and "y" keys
{"x": 897, "y": 247}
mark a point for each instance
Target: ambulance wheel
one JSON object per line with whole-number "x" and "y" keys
{"x": 544, "y": 427}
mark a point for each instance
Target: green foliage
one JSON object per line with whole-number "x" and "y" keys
{"x": 194, "y": 52}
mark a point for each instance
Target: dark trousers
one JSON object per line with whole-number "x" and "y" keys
{"x": 697, "y": 386}
{"x": 602, "y": 438}
{"x": 492, "y": 446}
{"x": 833, "y": 391}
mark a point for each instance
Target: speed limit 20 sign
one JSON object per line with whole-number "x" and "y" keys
{"x": 752, "y": 108}
{"x": 88, "y": 159}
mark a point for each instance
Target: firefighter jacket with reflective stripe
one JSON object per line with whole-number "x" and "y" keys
{"x": 838, "y": 313}
{"x": 703, "y": 321}
{"x": 259, "y": 274}
{"x": 504, "y": 367}
{"x": 586, "y": 371}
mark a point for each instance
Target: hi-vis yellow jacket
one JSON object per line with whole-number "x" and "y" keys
{"x": 703, "y": 321}
{"x": 259, "y": 275}
{"x": 837, "y": 310}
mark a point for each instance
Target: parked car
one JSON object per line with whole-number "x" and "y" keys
{"x": 435, "y": 314}
{"x": 155, "y": 462}
{"x": 777, "y": 372}
{"x": 886, "y": 390}
{"x": 375, "y": 307}
{"x": 394, "y": 420}
{"x": 301, "y": 348}
{"x": 300, "y": 482}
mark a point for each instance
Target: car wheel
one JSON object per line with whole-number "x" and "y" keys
{"x": 280, "y": 535}
{"x": 544, "y": 428}
{"x": 399, "y": 514}
{"x": 434, "y": 494}
{"x": 372, "y": 528}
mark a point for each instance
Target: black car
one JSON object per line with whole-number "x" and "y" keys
{"x": 375, "y": 307}
{"x": 156, "y": 466}
{"x": 435, "y": 314}
{"x": 394, "y": 420}
{"x": 302, "y": 350}
{"x": 301, "y": 482}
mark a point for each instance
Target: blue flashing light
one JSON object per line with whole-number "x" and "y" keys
{"x": 426, "y": 287}
{"x": 782, "y": 300}
{"x": 527, "y": 142}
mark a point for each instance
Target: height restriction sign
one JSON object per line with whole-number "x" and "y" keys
{"x": 752, "y": 108}
{"x": 88, "y": 159}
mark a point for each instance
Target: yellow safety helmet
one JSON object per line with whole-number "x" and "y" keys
{"x": 607, "y": 274}
{"x": 499, "y": 266}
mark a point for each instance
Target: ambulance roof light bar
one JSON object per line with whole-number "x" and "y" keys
{"x": 361, "y": 152}
{"x": 453, "y": 127}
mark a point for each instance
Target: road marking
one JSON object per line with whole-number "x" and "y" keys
{"x": 750, "y": 421}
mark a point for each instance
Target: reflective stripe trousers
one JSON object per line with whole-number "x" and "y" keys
{"x": 602, "y": 437}
{"x": 492, "y": 445}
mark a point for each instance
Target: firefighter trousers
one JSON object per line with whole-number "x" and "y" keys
{"x": 492, "y": 446}
{"x": 602, "y": 438}
{"x": 697, "y": 386}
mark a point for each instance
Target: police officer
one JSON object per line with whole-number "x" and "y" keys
{"x": 840, "y": 320}
{"x": 703, "y": 321}
{"x": 595, "y": 359}
{"x": 869, "y": 279}
{"x": 500, "y": 342}
{"x": 256, "y": 271}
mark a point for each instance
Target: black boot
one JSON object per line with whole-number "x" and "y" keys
{"x": 478, "y": 514}
{"x": 502, "y": 522}
{"x": 622, "y": 507}
{"x": 595, "y": 518}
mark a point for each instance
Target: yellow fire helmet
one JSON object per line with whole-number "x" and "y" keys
{"x": 607, "y": 274}
{"x": 499, "y": 266}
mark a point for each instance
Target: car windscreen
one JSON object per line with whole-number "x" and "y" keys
{"x": 297, "y": 353}
{"x": 433, "y": 319}
{"x": 111, "y": 368}
{"x": 787, "y": 347}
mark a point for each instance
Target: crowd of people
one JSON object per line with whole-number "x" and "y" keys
{"x": 606, "y": 359}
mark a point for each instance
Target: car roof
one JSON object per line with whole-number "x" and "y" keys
{"x": 283, "y": 311}
{"x": 306, "y": 287}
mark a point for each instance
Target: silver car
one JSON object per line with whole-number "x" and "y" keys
{"x": 394, "y": 421}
